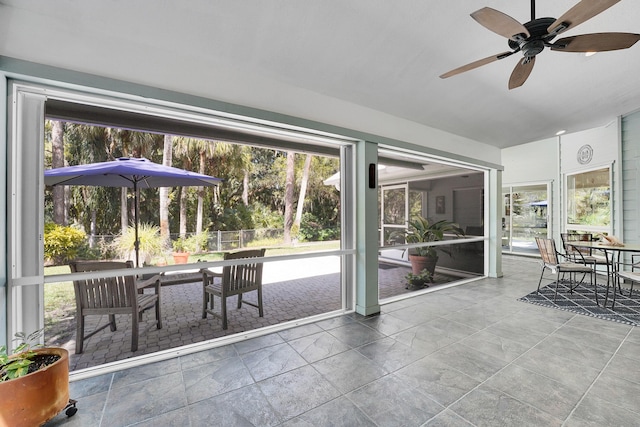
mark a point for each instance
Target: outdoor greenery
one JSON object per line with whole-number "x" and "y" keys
{"x": 62, "y": 243}
{"x": 18, "y": 364}
{"x": 421, "y": 230}
{"x": 151, "y": 243}
{"x": 419, "y": 280}
{"x": 255, "y": 191}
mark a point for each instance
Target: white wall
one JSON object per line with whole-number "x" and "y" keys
{"x": 536, "y": 162}
{"x": 549, "y": 159}
{"x": 603, "y": 141}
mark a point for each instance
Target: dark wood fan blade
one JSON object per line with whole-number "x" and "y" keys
{"x": 476, "y": 64}
{"x": 597, "y": 42}
{"x": 521, "y": 72}
{"x": 584, "y": 10}
{"x": 499, "y": 23}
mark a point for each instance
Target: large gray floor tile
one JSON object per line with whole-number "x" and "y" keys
{"x": 568, "y": 371}
{"x": 617, "y": 391}
{"x": 539, "y": 391}
{"x": 90, "y": 410}
{"x": 145, "y": 372}
{"x": 243, "y": 407}
{"x": 340, "y": 412}
{"x": 217, "y": 378}
{"x": 630, "y": 349}
{"x": 434, "y": 334}
{"x": 387, "y": 324}
{"x": 486, "y": 407}
{"x": 349, "y": 370}
{"x": 140, "y": 401}
{"x": 300, "y": 331}
{"x": 207, "y": 356}
{"x": 356, "y": 334}
{"x": 297, "y": 391}
{"x": 272, "y": 361}
{"x": 257, "y": 343}
{"x": 390, "y": 354}
{"x": 448, "y": 418}
{"x": 595, "y": 412}
{"x": 475, "y": 364}
{"x": 318, "y": 346}
{"x": 582, "y": 351}
{"x": 390, "y": 401}
{"x": 495, "y": 346}
{"x": 438, "y": 381}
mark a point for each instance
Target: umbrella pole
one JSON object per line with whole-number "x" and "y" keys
{"x": 135, "y": 219}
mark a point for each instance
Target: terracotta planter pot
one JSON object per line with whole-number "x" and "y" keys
{"x": 419, "y": 263}
{"x": 37, "y": 397}
{"x": 180, "y": 257}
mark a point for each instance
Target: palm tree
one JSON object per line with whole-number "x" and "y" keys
{"x": 57, "y": 161}
{"x": 289, "y": 185}
{"x": 167, "y": 158}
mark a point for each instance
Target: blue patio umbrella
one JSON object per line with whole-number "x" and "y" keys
{"x": 133, "y": 173}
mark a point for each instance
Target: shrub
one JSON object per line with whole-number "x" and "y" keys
{"x": 63, "y": 243}
{"x": 151, "y": 243}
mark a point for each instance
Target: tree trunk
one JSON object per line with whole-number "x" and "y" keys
{"x": 203, "y": 158}
{"x": 288, "y": 196}
{"x": 57, "y": 161}
{"x": 167, "y": 159}
{"x": 245, "y": 187}
{"x": 183, "y": 212}
{"x": 303, "y": 191}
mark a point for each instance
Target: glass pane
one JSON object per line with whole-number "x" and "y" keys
{"x": 529, "y": 207}
{"x": 589, "y": 198}
{"x": 394, "y": 206}
{"x": 506, "y": 218}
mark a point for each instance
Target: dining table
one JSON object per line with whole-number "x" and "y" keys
{"x": 612, "y": 253}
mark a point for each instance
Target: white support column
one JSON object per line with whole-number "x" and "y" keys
{"x": 25, "y": 248}
{"x": 367, "y": 229}
{"x": 495, "y": 223}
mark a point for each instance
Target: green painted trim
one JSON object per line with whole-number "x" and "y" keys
{"x": 25, "y": 70}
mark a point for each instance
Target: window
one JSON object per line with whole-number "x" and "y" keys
{"x": 589, "y": 200}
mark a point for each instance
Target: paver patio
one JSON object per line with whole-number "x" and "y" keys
{"x": 309, "y": 293}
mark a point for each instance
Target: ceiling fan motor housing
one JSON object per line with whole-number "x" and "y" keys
{"x": 537, "y": 40}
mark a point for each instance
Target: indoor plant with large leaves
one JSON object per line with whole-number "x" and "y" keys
{"x": 421, "y": 230}
{"x": 34, "y": 383}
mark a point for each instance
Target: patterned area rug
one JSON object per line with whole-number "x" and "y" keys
{"x": 582, "y": 301}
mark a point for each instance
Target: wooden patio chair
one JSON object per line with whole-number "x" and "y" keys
{"x": 111, "y": 296}
{"x": 551, "y": 261}
{"x": 234, "y": 280}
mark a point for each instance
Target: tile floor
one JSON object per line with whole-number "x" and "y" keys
{"x": 465, "y": 356}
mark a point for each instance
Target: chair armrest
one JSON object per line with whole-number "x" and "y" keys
{"x": 152, "y": 281}
{"x": 210, "y": 272}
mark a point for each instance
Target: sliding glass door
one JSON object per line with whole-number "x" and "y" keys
{"x": 526, "y": 213}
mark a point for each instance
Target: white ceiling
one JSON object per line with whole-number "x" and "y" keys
{"x": 380, "y": 54}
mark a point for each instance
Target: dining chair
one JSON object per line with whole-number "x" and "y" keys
{"x": 633, "y": 275}
{"x": 123, "y": 294}
{"x": 235, "y": 280}
{"x": 551, "y": 260}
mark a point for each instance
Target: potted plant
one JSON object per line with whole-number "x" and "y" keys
{"x": 420, "y": 280}
{"x": 420, "y": 230}
{"x": 34, "y": 383}
{"x": 180, "y": 251}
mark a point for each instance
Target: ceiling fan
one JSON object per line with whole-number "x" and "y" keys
{"x": 532, "y": 37}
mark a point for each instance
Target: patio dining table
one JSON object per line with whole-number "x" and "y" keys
{"x": 612, "y": 253}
